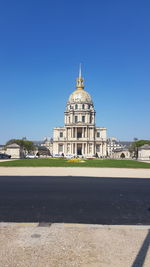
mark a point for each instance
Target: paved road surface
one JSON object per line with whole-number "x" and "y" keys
{"x": 75, "y": 200}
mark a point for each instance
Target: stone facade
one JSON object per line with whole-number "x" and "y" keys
{"x": 80, "y": 136}
{"x": 123, "y": 153}
{"x": 144, "y": 152}
{"x": 14, "y": 150}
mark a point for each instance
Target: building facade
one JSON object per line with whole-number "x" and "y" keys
{"x": 15, "y": 151}
{"x": 80, "y": 136}
{"x": 115, "y": 145}
{"x": 144, "y": 152}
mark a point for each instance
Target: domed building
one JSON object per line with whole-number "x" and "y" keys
{"x": 80, "y": 136}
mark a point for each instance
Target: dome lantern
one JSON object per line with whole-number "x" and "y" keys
{"x": 80, "y": 95}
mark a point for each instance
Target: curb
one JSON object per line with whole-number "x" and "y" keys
{"x": 76, "y": 225}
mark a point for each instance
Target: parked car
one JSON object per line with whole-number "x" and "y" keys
{"x": 31, "y": 156}
{"x": 69, "y": 156}
{"x": 57, "y": 156}
{"x": 4, "y": 156}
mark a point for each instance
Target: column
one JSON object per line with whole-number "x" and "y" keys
{"x": 92, "y": 149}
{"x": 76, "y": 148}
{"x": 102, "y": 148}
{"x": 86, "y": 149}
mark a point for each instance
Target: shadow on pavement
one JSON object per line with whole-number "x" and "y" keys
{"x": 140, "y": 258}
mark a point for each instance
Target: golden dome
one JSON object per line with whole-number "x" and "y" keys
{"x": 80, "y": 95}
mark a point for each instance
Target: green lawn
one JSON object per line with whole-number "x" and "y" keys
{"x": 111, "y": 163}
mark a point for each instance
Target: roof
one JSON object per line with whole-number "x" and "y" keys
{"x": 120, "y": 149}
{"x": 37, "y": 143}
{"x": 125, "y": 143}
{"x": 146, "y": 146}
{"x": 14, "y": 145}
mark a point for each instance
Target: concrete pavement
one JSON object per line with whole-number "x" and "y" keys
{"x": 69, "y": 245}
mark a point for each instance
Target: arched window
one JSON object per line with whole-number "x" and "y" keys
{"x": 76, "y": 106}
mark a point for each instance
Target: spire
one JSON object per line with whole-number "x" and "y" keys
{"x": 80, "y": 81}
{"x": 80, "y": 71}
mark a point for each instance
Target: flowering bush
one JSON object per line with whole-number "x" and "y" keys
{"x": 75, "y": 160}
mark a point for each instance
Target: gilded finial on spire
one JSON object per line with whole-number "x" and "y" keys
{"x": 80, "y": 81}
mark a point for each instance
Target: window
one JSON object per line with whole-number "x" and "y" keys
{"x": 60, "y": 148}
{"x": 98, "y": 134}
{"x": 90, "y": 148}
{"x": 97, "y": 148}
{"x": 88, "y": 106}
{"x": 82, "y": 106}
{"x": 76, "y": 106}
{"x": 90, "y": 118}
{"x": 83, "y": 118}
{"x": 76, "y": 119}
{"x": 61, "y": 134}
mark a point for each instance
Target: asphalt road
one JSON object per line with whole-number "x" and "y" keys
{"x": 75, "y": 200}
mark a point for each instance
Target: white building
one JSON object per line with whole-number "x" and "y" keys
{"x": 144, "y": 152}
{"x": 113, "y": 144}
{"x": 80, "y": 136}
{"x": 123, "y": 153}
{"x": 15, "y": 151}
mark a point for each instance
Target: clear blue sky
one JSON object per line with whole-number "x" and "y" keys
{"x": 42, "y": 43}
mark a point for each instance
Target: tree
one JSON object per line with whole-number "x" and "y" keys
{"x": 24, "y": 144}
{"x": 135, "y": 146}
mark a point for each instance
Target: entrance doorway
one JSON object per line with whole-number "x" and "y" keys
{"x": 79, "y": 149}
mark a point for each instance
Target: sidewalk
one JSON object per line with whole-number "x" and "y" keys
{"x": 74, "y": 171}
{"x": 66, "y": 245}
